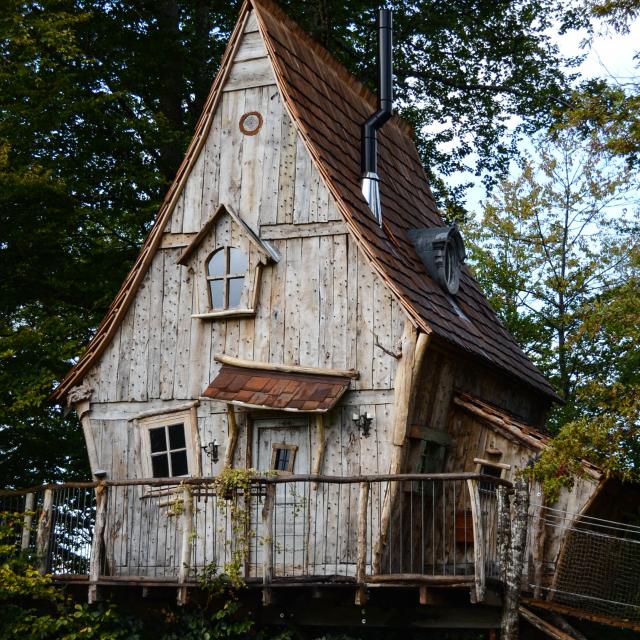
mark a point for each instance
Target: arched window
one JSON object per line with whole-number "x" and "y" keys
{"x": 226, "y": 269}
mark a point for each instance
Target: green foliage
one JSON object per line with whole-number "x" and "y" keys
{"x": 548, "y": 246}
{"x": 32, "y": 607}
{"x": 231, "y": 486}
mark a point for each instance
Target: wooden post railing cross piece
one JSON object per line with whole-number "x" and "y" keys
{"x": 29, "y": 504}
{"x": 95, "y": 561}
{"x": 267, "y": 543}
{"x": 361, "y": 561}
{"x": 44, "y": 531}
{"x": 186, "y": 518}
{"x": 478, "y": 540}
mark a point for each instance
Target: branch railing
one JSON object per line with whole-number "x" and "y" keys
{"x": 410, "y": 528}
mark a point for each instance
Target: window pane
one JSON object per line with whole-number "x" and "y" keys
{"x": 157, "y": 439}
{"x": 179, "y": 463}
{"x": 176, "y": 437}
{"x": 160, "y": 466}
{"x": 235, "y": 291}
{"x": 282, "y": 460}
{"x": 217, "y": 293}
{"x": 237, "y": 261}
{"x": 217, "y": 265}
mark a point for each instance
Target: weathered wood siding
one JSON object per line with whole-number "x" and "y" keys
{"x": 321, "y": 305}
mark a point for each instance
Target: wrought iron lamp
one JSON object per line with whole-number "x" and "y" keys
{"x": 363, "y": 422}
{"x": 212, "y": 450}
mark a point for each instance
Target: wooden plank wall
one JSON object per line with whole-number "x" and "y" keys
{"x": 321, "y": 305}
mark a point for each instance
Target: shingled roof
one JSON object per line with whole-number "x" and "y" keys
{"x": 328, "y": 105}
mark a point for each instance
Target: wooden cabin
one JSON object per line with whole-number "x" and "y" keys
{"x": 272, "y": 322}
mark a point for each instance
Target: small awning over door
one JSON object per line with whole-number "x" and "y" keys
{"x": 283, "y": 391}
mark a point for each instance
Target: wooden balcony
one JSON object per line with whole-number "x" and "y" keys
{"x": 412, "y": 530}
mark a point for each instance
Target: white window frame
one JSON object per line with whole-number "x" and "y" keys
{"x": 187, "y": 419}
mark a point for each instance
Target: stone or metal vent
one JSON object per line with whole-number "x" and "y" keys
{"x": 442, "y": 251}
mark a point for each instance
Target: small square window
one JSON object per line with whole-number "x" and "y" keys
{"x": 283, "y": 457}
{"x": 494, "y": 472}
{"x": 169, "y": 446}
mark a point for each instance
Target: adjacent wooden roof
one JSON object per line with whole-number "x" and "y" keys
{"x": 328, "y": 105}
{"x": 279, "y": 390}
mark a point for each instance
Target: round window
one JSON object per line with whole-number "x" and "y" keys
{"x": 251, "y": 123}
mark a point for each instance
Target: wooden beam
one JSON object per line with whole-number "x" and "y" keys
{"x": 478, "y": 540}
{"x": 95, "y": 561}
{"x": 322, "y": 445}
{"x": 44, "y": 531}
{"x": 361, "y": 560}
{"x": 186, "y": 519}
{"x": 29, "y": 504}
{"x": 285, "y": 368}
{"x": 267, "y": 548}
{"x": 312, "y": 230}
{"x": 581, "y": 615}
{"x": 543, "y": 625}
{"x": 233, "y": 437}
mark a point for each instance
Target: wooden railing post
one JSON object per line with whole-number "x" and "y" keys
{"x": 44, "y": 531}
{"x": 361, "y": 562}
{"x": 185, "y": 551}
{"x": 267, "y": 543}
{"x": 29, "y": 503}
{"x": 504, "y": 530}
{"x": 95, "y": 562}
{"x": 513, "y": 579}
{"x": 478, "y": 540}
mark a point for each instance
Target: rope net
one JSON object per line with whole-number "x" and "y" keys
{"x": 598, "y": 570}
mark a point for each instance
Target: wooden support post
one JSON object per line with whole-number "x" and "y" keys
{"x": 267, "y": 550}
{"x": 44, "y": 531}
{"x": 95, "y": 562}
{"x": 29, "y": 504}
{"x": 185, "y": 551}
{"x": 233, "y": 437}
{"x": 513, "y": 582}
{"x": 361, "y": 561}
{"x": 322, "y": 443}
{"x": 504, "y": 530}
{"x": 478, "y": 540}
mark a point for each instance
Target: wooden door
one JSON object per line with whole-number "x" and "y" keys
{"x": 283, "y": 446}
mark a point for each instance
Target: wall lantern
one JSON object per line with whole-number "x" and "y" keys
{"x": 212, "y": 450}
{"x": 363, "y": 422}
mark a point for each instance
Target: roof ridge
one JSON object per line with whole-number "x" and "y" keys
{"x": 330, "y": 60}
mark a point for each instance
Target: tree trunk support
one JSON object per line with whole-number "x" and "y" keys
{"x": 44, "y": 531}
{"x": 510, "y": 627}
{"x": 267, "y": 548}
{"x": 29, "y": 503}
{"x": 478, "y": 540}
{"x": 361, "y": 562}
{"x": 185, "y": 551}
{"x": 95, "y": 562}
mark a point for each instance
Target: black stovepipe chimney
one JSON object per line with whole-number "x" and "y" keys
{"x": 369, "y": 151}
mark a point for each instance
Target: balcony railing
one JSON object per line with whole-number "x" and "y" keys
{"x": 417, "y": 529}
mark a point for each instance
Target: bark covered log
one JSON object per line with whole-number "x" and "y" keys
{"x": 510, "y": 627}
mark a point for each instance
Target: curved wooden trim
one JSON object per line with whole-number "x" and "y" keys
{"x": 284, "y": 368}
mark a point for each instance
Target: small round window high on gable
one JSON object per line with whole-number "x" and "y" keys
{"x": 226, "y": 270}
{"x": 442, "y": 252}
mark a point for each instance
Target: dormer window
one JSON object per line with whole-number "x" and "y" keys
{"x": 226, "y": 259}
{"x": 225, "y": 271}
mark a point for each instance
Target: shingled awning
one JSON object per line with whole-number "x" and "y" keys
{"x": 283, "y": 391}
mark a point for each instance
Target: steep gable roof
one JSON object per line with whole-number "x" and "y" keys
{"x": 328, "y": 106}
